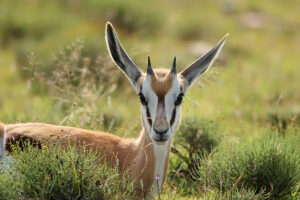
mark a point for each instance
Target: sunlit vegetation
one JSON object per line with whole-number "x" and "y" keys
{"x": 53, "y": 172}
{"x": 240, "y": 131}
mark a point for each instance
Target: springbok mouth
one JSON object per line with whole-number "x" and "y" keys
{"x": 161, "y": 140}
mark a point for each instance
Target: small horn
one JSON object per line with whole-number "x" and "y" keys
{"x": 173, "y": 70}
{"x": 149, "y": 68}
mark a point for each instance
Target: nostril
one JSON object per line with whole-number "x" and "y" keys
{"x": 161, "y": 132}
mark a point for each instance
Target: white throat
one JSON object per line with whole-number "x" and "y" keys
{"x": 161, "y": 153}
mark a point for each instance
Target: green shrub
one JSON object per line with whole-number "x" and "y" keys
{"x": 80, "y": 85}
{"x": 194, "y": 137}
{"x": 235, "y": 194}
{"x": 284, "y": 121}
{"x": 55, "y": 172}
{"x": 244, "y": 194}
{"x": 9, "y": 188}
{"x": 197, "y": 135}
{"x": 270, "y": 163}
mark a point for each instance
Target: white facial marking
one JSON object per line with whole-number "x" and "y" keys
{"x": 170, "y": 99}
{"x": 161, "y": 149}
{"x": 161, "y": 111}
{"x": 152, "y": 103}
{"x": 160, "y": 152}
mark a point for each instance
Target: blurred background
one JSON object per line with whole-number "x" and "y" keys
{"x": 54, "y": 66}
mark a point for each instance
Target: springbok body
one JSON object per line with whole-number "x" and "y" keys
{"x": 161, "y": 92}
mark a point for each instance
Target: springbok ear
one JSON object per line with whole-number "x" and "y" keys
{"x": 202, "y": 64}
{"x": 120, "y": 57}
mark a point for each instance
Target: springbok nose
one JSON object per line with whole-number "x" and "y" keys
{"x": 161, "y": 131}
{"x": 160, "y": 125}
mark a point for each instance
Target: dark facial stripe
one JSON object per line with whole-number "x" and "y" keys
{"x": 174, "y": 112}
{"x": 148, "y": 116}
{"x": 173, "y": 117}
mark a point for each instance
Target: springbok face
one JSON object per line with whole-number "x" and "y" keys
{"x": 161, "y": 91}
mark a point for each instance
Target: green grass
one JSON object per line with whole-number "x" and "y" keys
{"x": 268, "y": 164}
{"x": 54, "y": 172}
{"x": 252, "y": 89}
{"x": 195, "y": 137}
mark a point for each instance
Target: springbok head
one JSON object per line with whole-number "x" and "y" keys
{"x": 161, "y": 91}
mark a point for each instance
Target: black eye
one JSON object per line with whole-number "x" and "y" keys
{"x": 143, "y": 99}
{"x": 179, "y": 99}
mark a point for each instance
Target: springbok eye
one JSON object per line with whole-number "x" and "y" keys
{"x": 143, "y": 99}
{"x": 179, "y": 99}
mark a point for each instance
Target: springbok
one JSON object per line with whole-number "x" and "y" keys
{"x": 161, "y": 92}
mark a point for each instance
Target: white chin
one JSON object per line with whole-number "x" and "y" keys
{"x": 161, "y": 143}
{"x": 159, "y": 140}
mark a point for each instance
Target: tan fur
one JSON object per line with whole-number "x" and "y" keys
{"x": 183, "y": 83}
{"x": 161, "y": 82}
{"x": 137, "y": 157}
{"x": 134, "y": 156}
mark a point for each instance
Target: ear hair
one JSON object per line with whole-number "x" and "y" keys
{"x": 202, "y": 64}
{"x": 121, "y": 58}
